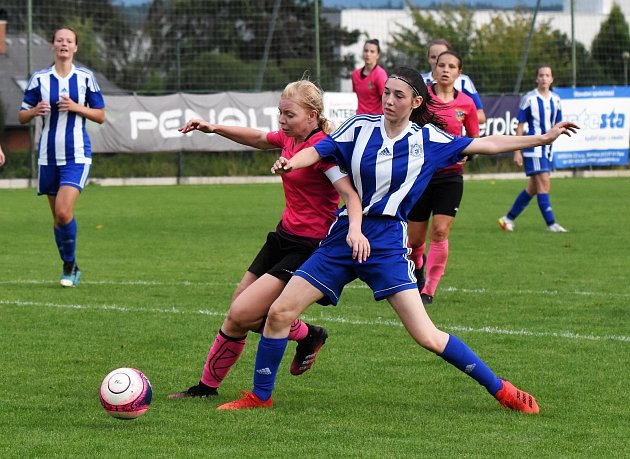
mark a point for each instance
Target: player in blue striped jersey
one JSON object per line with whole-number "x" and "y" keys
{"x": 64, "y": 97}
{"x": 540, "y": 109}
{"x": 463, "y": 83}
{"x": 390, "y": 158}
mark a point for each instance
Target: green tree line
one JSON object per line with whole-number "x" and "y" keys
{"x": 218, "y": 45}
{"x": 492, "y": 52}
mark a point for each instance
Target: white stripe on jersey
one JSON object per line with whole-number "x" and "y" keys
{"x": 540, "y": 113}
{"x": 415, "y": 164}
{"x": 390, "y": 174}
{"x": 68, "y": 141}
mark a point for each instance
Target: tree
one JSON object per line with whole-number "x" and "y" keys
{"x": 102, "y": 31}
{"x": 180, "y": 33}
{"x": 410, "y": 45}
{"x": 609, "y": 45}
{"x": 492, "y": 52}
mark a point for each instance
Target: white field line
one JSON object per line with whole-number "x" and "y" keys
{"x": 353, "y": 285}
{"x": 341, "y": 320}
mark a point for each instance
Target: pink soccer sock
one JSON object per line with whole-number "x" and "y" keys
{"x": 416, "y": 256}
{"x": 223, "y": 354}
{"x": 298, "y": 330}
{"x": 436, "y": 264}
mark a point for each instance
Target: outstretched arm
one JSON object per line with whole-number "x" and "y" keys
{"x": 243, "y": 135}
{"x": 303, "y": 158}
{"x": 355, "y": 238}
{"x": 494, "y": 144}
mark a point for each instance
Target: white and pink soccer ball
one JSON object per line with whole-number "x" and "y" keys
{"x": 126, "y": 393}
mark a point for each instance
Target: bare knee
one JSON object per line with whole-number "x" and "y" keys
{"x": 239, "y": 321}
{"x": 439, "y": 234}
{"x": 435, "y": 341}
{"x": 415, "y": 241}
{"x": 281, "y": 314}
{"x": 63, "y": 216}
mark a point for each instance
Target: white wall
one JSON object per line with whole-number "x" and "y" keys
{"x": 597, "y": 6}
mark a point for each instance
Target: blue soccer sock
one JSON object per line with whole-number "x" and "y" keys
{"x": 268, "y": 358}
{"x": 69, "y": 240}
{"x": 544, "y": 203}
{"x": 519, "y": 205}
{"x": 59, "y": 241}
{"x": 463, "y": 358}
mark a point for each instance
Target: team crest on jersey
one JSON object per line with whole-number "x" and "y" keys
{"x": 82, "y": 89}
{"x": 460, "y": 115}
{"x": 415, "y": 150}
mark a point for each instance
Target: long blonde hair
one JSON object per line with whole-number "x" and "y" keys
{"x": 309, "y": 97}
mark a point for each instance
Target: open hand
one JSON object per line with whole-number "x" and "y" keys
{"x": 564, "y": 127}
{"x": 196, "y": 125}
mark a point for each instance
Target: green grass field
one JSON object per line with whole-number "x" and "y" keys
{"x": 547, "y": 311}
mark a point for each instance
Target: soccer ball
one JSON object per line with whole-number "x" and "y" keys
{"x": 126, "y": 393}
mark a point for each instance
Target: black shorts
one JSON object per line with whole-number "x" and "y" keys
{"x": 441, "y": 197}
{"x": 282, "y": 254}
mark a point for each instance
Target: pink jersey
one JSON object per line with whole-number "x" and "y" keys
{"x": 310, "y": 198}
{"x": 369, "y": 90}
{"x": 458, "y": 114}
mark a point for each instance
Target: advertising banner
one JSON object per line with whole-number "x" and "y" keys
{"x": 604, "y": 136}
{"x": 139, "y": 124}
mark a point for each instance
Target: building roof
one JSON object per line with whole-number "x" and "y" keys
{"x": 14, "y": 73}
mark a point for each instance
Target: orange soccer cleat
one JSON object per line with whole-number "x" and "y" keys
{"x": 249, "y": 401}
{"x": 516, "y": 399}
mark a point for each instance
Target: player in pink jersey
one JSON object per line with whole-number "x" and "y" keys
{"x": 444, "y": 192}
{"x": 368, "y": 82}
{"x": 463, "y": 83}
{"x": 312, "y": 198}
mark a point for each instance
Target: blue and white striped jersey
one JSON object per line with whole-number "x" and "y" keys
{"x": 540, "y": 113}
{"x": 64, "y": 138}
{"x": 390, "y": 174}
{"x": 463, "y": 84}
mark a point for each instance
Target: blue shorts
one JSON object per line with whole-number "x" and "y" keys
{"x": 535, "y": 166}
{"x": 51, "y": 178}
{"x": 388, "y": 270}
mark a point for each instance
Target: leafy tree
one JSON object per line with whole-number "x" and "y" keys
{"x": 610, "y": 43}
{"x": 177, "y": 33}
{"x": 492, "y": 53}
{"x": 410, "y": 44}
{"x": 496, "y": 54}
{"x": 103, "y": 33}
